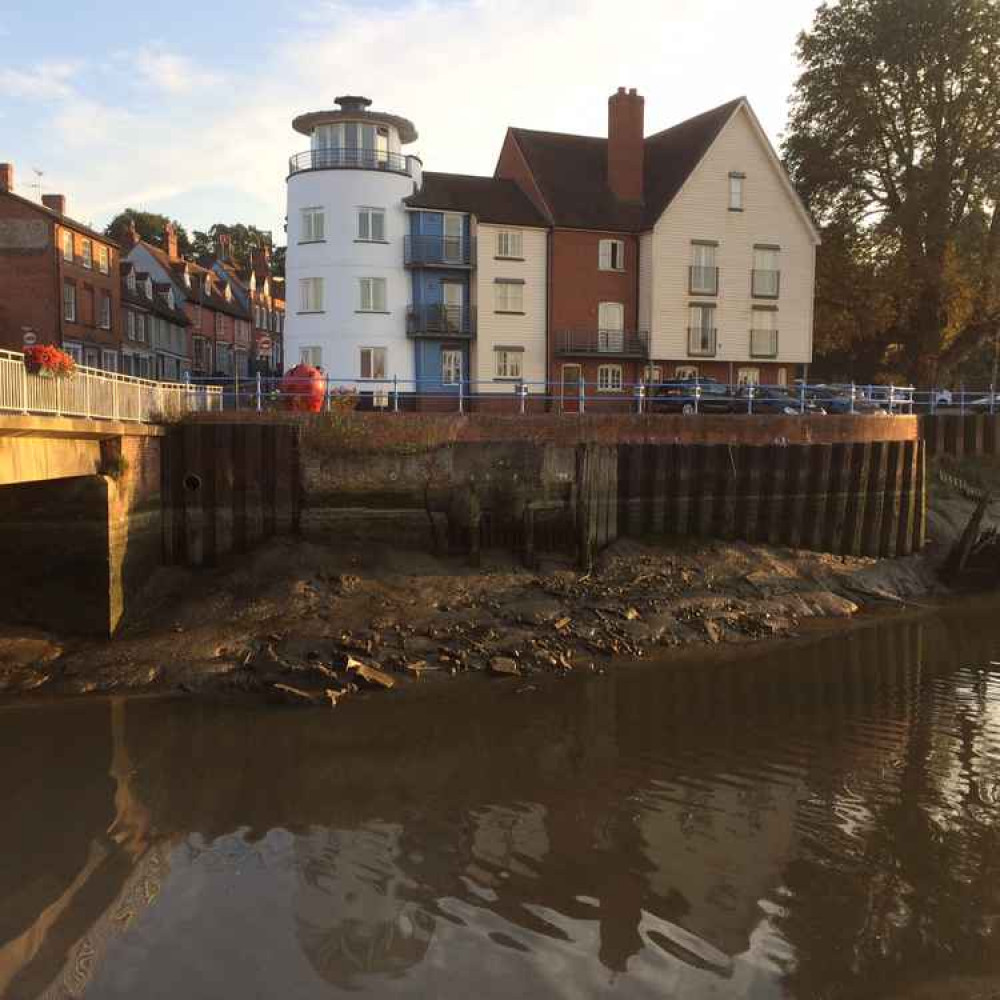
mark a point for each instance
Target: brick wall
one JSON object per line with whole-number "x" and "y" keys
{"x": 28, "y": 286}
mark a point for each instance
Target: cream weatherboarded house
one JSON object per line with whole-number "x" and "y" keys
{"x": 726, "y": 275}
{"x": 510, "y": 345}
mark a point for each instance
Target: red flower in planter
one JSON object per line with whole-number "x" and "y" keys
{"x": 50, "y": 360}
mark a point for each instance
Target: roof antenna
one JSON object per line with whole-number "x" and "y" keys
{"x": 39, "y": 174}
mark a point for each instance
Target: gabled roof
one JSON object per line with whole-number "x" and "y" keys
{"x": 490, "y": 199}
{"x": 572, "y": 171}
{"x": 64, "y": 220}
{"x": 175, "y": 269}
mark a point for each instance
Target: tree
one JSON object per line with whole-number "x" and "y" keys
{"x": 894, "y": 137}
{"x": 243, "y": 239}
{"x": 150, "y": 227}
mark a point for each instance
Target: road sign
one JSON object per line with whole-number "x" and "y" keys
{"x": 263, "y": 345}
{"x": 30, "y": 338}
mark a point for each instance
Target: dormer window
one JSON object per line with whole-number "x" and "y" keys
{"x": 170, "y": 298}
{"x": 130, "y": 281}
{"x": 229, "y": 294}
{"x": 253, "y": 282}
{"x": 148, "y": 288}
{"x": 187, "y": 280}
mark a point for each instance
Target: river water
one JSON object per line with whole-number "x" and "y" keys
{"x": 816, "y": 819}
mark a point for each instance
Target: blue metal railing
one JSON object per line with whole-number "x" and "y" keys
{"x": 443, "y": 251}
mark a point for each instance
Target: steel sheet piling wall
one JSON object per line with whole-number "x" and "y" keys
{"x": 863, "y": 499}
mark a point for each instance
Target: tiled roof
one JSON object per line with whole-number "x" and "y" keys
{"x": 215, "y": 300}
{"x": 158, "y": 304}
{"x": 572, "y": 173}
{"x": 490, "y": 199}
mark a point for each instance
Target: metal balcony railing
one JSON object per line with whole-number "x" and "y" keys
{"x": 703, "y": 280}
{"x": 765, "y": 284}
{"x": 621, "y": 343}
{"x": 342, "y": 158}
{"x": 763, "y": 343}
{"x": 442, "y": 251}
{"x": 440, "y": 321}
{"x": 701, "y": 341}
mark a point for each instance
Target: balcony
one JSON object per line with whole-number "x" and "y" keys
{"x": 765, "y": 284}
{"x": 440, "y": 321}
{"x": 600, "y": 343}
{"x": 701, "y": 341}
{"x": 703, "y": 280}
{"x": 339, "y": 158}
{"x": 437, "y": 251}
{"x": 763, "y": 343}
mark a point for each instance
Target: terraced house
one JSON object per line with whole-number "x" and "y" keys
{"x": 59, "y": 279}
{"x": 218, "y": 342}
{"x": 585, "y": 267}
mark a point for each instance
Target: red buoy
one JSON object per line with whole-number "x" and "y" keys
{"x": 303, "y": 388}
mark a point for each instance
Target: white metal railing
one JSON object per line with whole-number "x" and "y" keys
{"x": 98, "y": 394}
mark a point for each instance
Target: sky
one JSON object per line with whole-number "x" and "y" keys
{"x": 188, "y": 111}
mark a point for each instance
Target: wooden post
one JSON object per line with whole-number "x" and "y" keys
{"x": 893, "y": 500}
{"x": 795, "y": 505}
{"x": 857, "y": 498}
{"x": 908, "y": 499}
{"x": 814, "y": 536}
{"x": 775, "y": 502}
{"x": 835, "y": 529}
{"x": 748, "y": 523}
{"x": 872, "y": 537}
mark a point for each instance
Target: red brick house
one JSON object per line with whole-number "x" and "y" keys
{"x": 59, "y": 281}
{"x": 219, "y": 324}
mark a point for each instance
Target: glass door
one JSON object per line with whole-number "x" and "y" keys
{"x": 451, "y": 297}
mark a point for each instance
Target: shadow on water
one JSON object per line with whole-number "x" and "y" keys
{"x": 814, "y": 819}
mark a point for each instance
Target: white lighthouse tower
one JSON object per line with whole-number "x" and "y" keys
{"x": 347, "y": 289}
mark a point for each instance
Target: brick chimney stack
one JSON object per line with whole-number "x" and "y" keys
{"x": 131, "y": 234}
{"x": 170, "y": 241}
{"x": 225, "y": 248}
{"x": 625, "y": 144}
{"x": 6, "y": 176}
{"x": 55, "y": 203}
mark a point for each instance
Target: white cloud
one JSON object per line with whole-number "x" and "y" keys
{"x": 48, "y": 81}
{"x": 461, "y": 71}
{"x": 171, "y": 72}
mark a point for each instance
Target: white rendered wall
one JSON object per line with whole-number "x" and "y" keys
{"x": 341, "y": 260}
{"x": 498, "y": 329}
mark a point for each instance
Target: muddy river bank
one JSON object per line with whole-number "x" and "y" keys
{"x": 308, "y": 623}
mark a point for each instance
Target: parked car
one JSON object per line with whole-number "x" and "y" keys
{"x": 839, "y": 400}
{"x": 702, "y": 395}
{"x": 769, "y": 400}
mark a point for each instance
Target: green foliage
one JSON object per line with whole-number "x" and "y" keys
{"x": 150, "y": 227}
{"x": 243, "y": 239}
{"x": 894, "y": 142}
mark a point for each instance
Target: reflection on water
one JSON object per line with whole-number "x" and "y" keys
{"x": 816, "y": 820}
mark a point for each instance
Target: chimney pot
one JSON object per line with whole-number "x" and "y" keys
{"x": 626, "y": 144}
{"x": 170, "y": 241}
{"x": 55, "y": 203}
{"x": 6, "y": 176}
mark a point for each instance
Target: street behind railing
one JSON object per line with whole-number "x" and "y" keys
{"x": 397, "y": 395}
{"x": 97, "y": 394}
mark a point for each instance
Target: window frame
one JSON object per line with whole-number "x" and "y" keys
{"x": 705, "y": 308}
{"x": 87, "y": 254}
{"x": 615, "y": 249}
{"x": 369, "y": 213}
{"x": 737, "y": 191}
{"x": 502, "y": 293}
{"x": 373, "y": 353}
{"x": 69, "y": 308}
{"x": 774, "y": 253}
{"x": 107, "y": 352}
{"x": 452, "y": 352}
{"x": 104, "y": 319}
{"x": 307, "y": 224}
{"x": 68, "y": 242}
{"x": 704, "y": 263}
{"x": 103, "y": 259}
{"x": 609, "y": 370}
{"x": 314, "y": 302}
{"x": 509, "y": 237}
{"x": 507, "y": 355}
{"x": 371, "y": 284}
